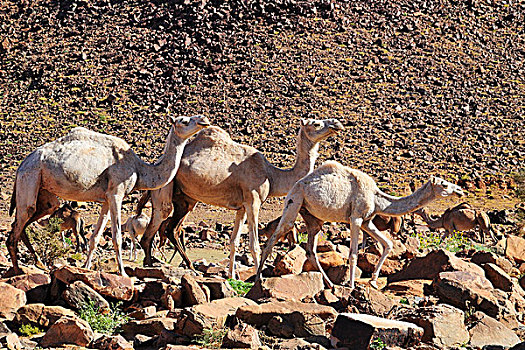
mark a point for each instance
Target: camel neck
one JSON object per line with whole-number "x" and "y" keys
{"x": 282, "y": 180}
{"x": 159, "y": 174}
{"x": 397, "y": 206}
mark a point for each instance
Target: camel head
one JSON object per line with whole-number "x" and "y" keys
{"x": 445, "y": 188}
{"x": 317, "y": 130}
{"x": 184, "y": 127}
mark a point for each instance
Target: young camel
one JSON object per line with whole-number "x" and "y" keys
{"x": 89, "y": 166}
{"x": 337, "y": 193}
{"x": 219, "y": 171}
{"x": 71, "y": 220}
{"x": 136, "y": 226}
{"x": 462, "y": 217}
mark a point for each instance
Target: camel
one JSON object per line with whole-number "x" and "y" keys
{"x": 219, "y": 171}
{"x": 135, "y": 225}
{"x": 291, "y": 236}
{"x": 461, "y": 217}
{"x": 89, "y": 166}
{"x": 70, "y": 220}
{"x": 337, "y": 193}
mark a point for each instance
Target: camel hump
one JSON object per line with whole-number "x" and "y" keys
{"x": 461, "y": 206}
{"x": 213, "y": 133}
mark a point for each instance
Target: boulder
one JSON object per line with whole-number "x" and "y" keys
{"x": 341, "y": 274}
{"x": 34, "y": 284}
{"x": 41, "y": 315}
{"x": 443, "y": 324}
{"x": 68, "y": 330}
{"x": 242, "y": 336}
{"x": 429, "y": 266}
{"x": 367, "y": 262}
{"x": 498, "y": 277}
{"x": 11, "y": 300}
{"x": 485, "y": 330}
{"x": 515, "y": 248}
{"x": 194, "y": 320}
{"x": 371, "y": 301}
{"x": 299, "y": 344}
{"x": 481, "y": 258}
{"x": 107, "y": 284}
{"x": 192, "y": 292}
{"x": 142, "y": 313}
{"x": 151, "y": 326}
{"x": 78, "y": 293}
{"x": 289, "y": 318}
{"x": 219, "y": 287}
{"x": 408, "y": 287}
{"x": 111, "y": 342}
{"x": 166, "y": 273}
{"x": 172, "y": 297}
{"x": 288, "y": 287}
{"x": 291, "y": 263}
{"x": 464, "y": 289}
{"x": 327, "y": 260}
{"x": 366, "y": 328}
{"x": 10, "y": 341}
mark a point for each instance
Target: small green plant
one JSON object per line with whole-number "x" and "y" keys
{"x": 28, "y": 330}
{"x": 404, "y": 301}
{"x": 108, "y": 323}
{"x": 211, "y": 338}
{"x": 377, "y": 344}
{"x": 302, "y": 237}
{"x": 454, "y": 243}
{"x": 77, "y": 256}
{"x": 240, "y": 287}
{"x": 46, "y": 241}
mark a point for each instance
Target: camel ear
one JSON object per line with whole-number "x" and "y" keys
{"x": 433, "y": 180}
{"x": 304, "y": 121}
{"x": 172, "y": 119}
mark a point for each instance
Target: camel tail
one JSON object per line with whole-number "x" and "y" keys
{"x": 13, "y": 201}
{"x": 142, "y": 202}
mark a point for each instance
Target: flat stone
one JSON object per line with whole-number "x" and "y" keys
{"x": 356, "y": 331}
{"x": 288, "y": 287}
{"x": 443, "y": 324}
{"x": 150, "y": 326}
{"x": 301, "y": 319}
{"x": 408, "y": 287}
{"x": 327, "y": 260}
{"x": 34, "y": 284}
{"x": 219, "y": 287}
{"x": 192, "y": 292}
{"x": 242, "y": 336}
{"x": 41, "y": 315}
{"x": 485, "y": 330}
{"x": 367, "y": 262}
{"x": 11, "y": 341}
{"x": 291, "y": 263}
{"x": 111, "y": 342}
{"x": 107, "y": 284}
{"x": 377, "y": 303}
{"x": 499, "y": 278}
{"x": 194, "y": 320}
{"x": 78, "y": 293}
{"x": 515, "y": 248}
{"x": 11, "y": 300}
{"x": 68, "y": 330}
{"x": 429, "y": 266}
{"x": 299, "y": 343}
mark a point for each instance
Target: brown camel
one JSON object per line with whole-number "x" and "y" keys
{"x": 461, "y": 217}
{"x": 219, "y": 171}
{"x": 336, "y": 193}
{"x": 70, "y": 220}
{"x": 89, "y": 166}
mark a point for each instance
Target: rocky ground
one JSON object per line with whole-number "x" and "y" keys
{"x": 421, "y": 87}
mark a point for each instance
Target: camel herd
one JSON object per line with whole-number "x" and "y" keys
{"x": 212, "y": 168}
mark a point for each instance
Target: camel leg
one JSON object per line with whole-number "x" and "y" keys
{"x": 387, "y": 245}
{"x": 182, "y": 207}
{"x": 115, "y": 205}
{"x": 95, "y": 238}
{"x": 132, "y": 247}
{"x": 158, "y": 216}
{"x": 355, "y": 229}
{"x": 240, "y": 217}
{"x": 252, "y": 214}
{"x": 77, "y": 236}
{"x": 313, "y": 226}
{"x": 82, "y": 234}
{"x": 294, "y": 202}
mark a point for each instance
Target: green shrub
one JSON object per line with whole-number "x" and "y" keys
{"x": 46, "y": 241}
{"x": 108, "y": 323}
{"x": 377, "y": 344}
{"x": 240, "y": 287}
{"x": 453, "y": 243}
{"x": 211, "y": 338}
{"x": 29, "y": 330}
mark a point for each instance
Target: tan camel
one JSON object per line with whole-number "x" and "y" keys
{"x": 462, "y": 217}
{"x": 70, "y": 220}
{"x": 336, "y": 193}
{"x": 89, "y": 166}
{"x": 219, "y": 171}
{"x": 291, "y": 236}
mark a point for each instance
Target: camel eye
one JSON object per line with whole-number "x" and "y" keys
{"x": 318, "y": 125}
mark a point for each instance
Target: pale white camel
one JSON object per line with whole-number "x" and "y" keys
{"x": 136, "y": 226}
{"x": 219, "y": 171}
{"x": 336, "y": 193}
{"x": 89, "y": 166}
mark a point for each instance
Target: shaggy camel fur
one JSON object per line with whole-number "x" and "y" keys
{"x": 219, "y": 171}
{"x": 462, "y": 217}
{"x": 89, "y": 166}
{"x": 337, "y": 193}
{"x": 70, "y": 220}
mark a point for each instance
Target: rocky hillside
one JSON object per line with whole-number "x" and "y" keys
{"x": 422, "y": 87}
